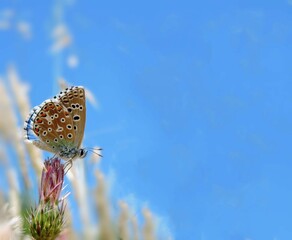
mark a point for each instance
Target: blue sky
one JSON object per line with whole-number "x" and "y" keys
{"x": 194, "y": 103}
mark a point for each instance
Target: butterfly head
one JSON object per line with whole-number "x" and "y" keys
{"x": 82, "y": 153}
{"x": 70, "y": 154}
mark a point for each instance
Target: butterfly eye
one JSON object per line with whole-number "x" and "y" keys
{"x": 82, "y": 153}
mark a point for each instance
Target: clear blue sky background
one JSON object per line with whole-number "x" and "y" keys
{"x": 194, "y": 100}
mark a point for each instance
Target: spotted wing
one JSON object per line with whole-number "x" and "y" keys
{"x": 43, "y": 146}
{"x": 74, "y": 100}
{"x": 53, "y": 125}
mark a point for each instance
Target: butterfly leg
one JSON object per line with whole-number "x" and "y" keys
{"x": 68, "y": 166}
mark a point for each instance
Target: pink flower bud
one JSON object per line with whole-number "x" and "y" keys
{"x": 52, "y": 181}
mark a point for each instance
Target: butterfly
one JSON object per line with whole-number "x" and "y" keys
{"x": 57, "y": 125}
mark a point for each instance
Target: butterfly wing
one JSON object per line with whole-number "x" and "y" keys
{"x": 43, "y": 146}
{"x": 53, "y": 125}
{"x": 74, "y": 100}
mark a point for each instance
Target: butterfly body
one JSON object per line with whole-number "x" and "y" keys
{"x": 57, "y": 125}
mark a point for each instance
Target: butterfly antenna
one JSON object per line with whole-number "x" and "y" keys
{"x": 95, "y": 151}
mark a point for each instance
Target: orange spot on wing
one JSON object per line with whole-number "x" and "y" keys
{"x": 39, "y": 120}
